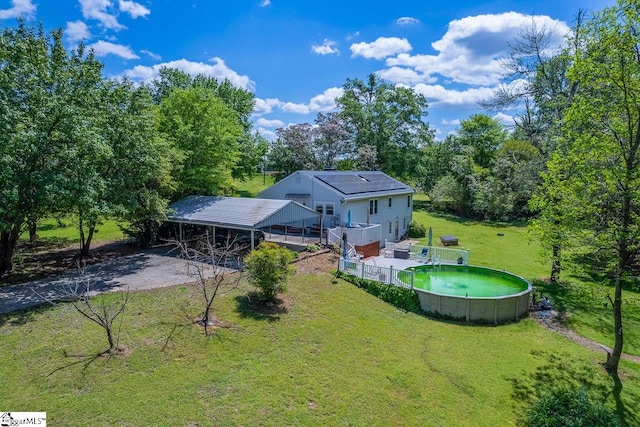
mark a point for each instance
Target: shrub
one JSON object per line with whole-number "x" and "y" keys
{"x": 268, "y": 268}
{"x": 564, "y": 407}
{"x": 416, "y": 230}
{"x": 312, "y": 248}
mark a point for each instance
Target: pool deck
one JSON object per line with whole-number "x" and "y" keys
{"x": 400, "y": 264}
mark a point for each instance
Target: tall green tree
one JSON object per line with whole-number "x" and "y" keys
{"x": 47, "y": 97}
{"x": 598, "y": 168}
{"x": 207, "y": 133}
{"x": 250, "y": 146}
{"x": 485, "y": 134}
{"x": 388, "y": 119}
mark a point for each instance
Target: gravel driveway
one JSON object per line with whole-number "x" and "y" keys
{"x": 154, "y": 268}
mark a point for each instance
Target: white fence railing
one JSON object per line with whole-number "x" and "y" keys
{"x": 428, "y": 254}
{"x": 388, "y": 275}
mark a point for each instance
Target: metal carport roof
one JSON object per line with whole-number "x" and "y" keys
{"x": 240, "y": 213}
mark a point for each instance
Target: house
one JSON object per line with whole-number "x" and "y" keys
{"x": 347, "y": 198}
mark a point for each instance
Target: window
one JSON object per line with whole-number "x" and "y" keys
{"x": 408, "y": 201}
{"x": 390, "y": 229}
{"x": 324, "y": 208}
{"x": 404, "y": 223}
{"x": 390, "y": 199}
{"x": 373, "y": 207}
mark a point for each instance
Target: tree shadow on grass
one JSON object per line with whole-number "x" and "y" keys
{"x": 252, "y": 307}
{"x": 560, "y": 370}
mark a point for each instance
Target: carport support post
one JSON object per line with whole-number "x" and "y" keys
{"x": 180, "y": 232}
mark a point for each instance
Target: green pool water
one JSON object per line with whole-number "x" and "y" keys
{"x": 468, "y": 281}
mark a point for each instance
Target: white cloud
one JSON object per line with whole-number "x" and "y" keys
{"x": 97, "y": 9}
{"x": 454, "y": 122}
{"x": 219, "y": 70}
{"x": 265, "y": 3}
{"x": 76, "y": 31}
{"x": 134, "y": 9}
{"x": 151, "y": 55}
{"x": 404, "y": 75}
{"x": 19, "y": 8}
{"x": 407, "y": 20}
{"x": 326, "y": 101}
{"x": 439, "y": 96}
{"x": 291, "y": 107}
{"x": 267, "y": 134}
{"x": 265, "y": 123}
{"x": 505, "y": 119}
{"x": 326, "y": 48}
{"x": 265, "y": 106}
{"x": 103, "y": 48}
{"x": 471, "y": 49}
{"x": 382, "y": 48}
{"x": 352, "y": 36}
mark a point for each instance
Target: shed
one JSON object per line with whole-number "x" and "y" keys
{"x": 239, "y": 213}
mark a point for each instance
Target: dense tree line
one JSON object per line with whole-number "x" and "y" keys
{"x": 76, "y": 144}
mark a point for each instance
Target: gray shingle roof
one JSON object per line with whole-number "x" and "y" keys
{"x": 240, "y": 213}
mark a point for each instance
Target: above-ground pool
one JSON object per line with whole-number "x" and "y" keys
{"x": 471, "y": 293}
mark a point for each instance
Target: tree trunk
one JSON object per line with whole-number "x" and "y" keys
{"x": 611, "y": 365}
{"x": 33, "y": 228}
{"x": 8, "y": 241}
{"x": 85, "y": 245}
{"x": 555, "y": 264}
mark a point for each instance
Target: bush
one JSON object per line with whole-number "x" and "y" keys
{"x": 564, "y": 407}
{"x": 402, "y": 298}
{"x": 312, "y": 248}
{"x": 416, "y": 230}
{"x": 268, "y": 268}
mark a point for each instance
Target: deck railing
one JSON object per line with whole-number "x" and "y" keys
{"x": 429, "y": 254}
{"x": 388, "y": 275}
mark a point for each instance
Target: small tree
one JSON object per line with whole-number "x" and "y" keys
{"x": 102, "y": 311}
{"x": 207, "y": 265}
{"x": 268, "y": 268}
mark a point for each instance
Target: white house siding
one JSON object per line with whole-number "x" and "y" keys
{"x": 397, "y": 212}
{"x": 305, "y": 190}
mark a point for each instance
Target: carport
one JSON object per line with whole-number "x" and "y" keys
{"x": 240, "y": 213}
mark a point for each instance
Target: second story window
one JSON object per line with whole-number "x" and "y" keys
{"x": 373, "y": 206}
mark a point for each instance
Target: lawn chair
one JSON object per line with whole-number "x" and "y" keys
{"x": 423, "y": 254}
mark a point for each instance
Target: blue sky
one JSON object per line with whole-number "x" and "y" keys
{"x": 296, "y": 55}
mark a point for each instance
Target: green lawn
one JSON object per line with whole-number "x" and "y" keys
{"x": 336, "y": 356}
{"x": 66, "y": 232}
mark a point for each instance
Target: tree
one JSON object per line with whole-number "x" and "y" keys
{"x": 206, "y": 264}
{"x": 139, "y": 170}
{"x": 387, "y": 118}
{"x": 294, "y": 150}
{"x": 47, "y": 100}
{"x": 485, "y": 135}
{"x": 207, "y": 133}
{"x": 310, "y": 147}
{"x": 242, "y": 101}
{"x": 598, "y": 166}
{"x": 268, "y": 268}
{"x": 102, "y": 310}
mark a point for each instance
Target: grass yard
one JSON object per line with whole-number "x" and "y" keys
{"x": 50, "y": 230}
{"x": 336, "y": 356}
